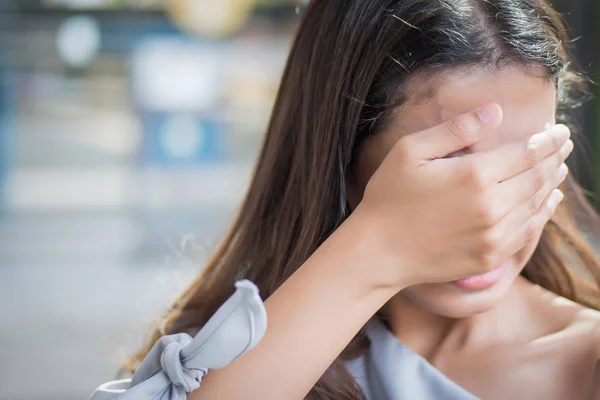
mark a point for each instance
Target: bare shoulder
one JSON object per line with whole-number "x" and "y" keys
{"x": 588, "y": 320}
{"x": 577, "y": 321}
{"x": 585, "y": 323}
{"x": 559, "y": 313}
{"x": 592, "y": 317}
{"x": 585, "y": 326}
{"x": 568, "y": 323}
{"x": 569, "y": 336}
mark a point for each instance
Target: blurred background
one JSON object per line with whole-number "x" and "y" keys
{"x": 128, "y": 130}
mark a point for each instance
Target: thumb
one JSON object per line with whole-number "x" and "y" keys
{"x": 455, "y": 134}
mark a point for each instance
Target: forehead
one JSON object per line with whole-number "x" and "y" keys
{"x": 527, "y": 98}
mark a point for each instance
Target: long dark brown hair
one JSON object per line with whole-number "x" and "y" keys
{"x": 347, "y": 70}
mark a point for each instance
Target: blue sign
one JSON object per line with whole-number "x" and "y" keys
{"x": 180, "y": 139}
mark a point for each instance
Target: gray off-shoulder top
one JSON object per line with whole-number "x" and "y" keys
{"x": 177, "y": 363}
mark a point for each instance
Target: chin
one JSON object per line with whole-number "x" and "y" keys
{"x": 453, "y": 301}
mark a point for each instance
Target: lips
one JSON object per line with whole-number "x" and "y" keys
{"x": 483, "y": 281}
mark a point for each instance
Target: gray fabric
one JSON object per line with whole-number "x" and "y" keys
{"x": 392, "y": 371}
{"x": 176, "y": 363}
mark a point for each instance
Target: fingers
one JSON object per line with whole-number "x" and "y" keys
{"x": 520, "y": 206}
{"x": 524, "y": 193}
{"x": 513, "y": 158}
{"x": 451, "y": 136}
{"x": 532, "y": 227}
{"x": 531, "y": 206}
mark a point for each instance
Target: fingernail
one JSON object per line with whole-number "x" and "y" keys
{"x": 557, "y": 196}
{"x": 487, "y": 113}
{"x": 561, "y": 131}
{"x": 571, "y": 146}
{"x": 563, "y": 170}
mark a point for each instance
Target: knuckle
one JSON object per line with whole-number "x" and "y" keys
{"x": 538, "y": 176}
{"x": 474, "y": 176}
{"x": 533, "y": 204}
{"x": 490, "y": 241}
{"x": 531, "y": 150}
{"x": 530, "y": 231}
{"x": 488, "y": 213}
{"x": 487, "y": 261}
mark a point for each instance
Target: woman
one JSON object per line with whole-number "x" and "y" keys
{"x": 403, "y": 223}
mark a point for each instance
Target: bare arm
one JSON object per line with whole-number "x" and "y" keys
{"x": 410, "y": 203}
{"x": 311, "y": 318}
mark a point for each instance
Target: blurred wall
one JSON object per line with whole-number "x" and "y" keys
{"x": 127, "y": 140}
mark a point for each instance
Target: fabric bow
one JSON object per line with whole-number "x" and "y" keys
{"x": 177, "y": 363}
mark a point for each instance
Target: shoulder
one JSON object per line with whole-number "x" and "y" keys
{"x": 580, "y": 323}
{"x": 594, "y": 320}
{"x": 585, "y": 324}
{"x": 576, "y": 346}
{"x": 591, "y": 320}
{"x": 581, "y": 335}
{"x": 568, "y": 324}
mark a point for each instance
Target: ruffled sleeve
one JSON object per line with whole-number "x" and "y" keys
{"x": 177, "y": 363}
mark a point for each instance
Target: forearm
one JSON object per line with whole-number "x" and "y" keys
{"x": 311, "y": 318}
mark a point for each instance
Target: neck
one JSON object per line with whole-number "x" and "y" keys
{"x": 427, "y": 332}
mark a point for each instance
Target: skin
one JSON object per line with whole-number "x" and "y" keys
{"x": 423, "y": 218}
{"x": 514, "y": 339}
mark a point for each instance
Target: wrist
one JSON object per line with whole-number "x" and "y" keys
{"x": 350, "y": 270}
{"x": 360, "y": 242}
